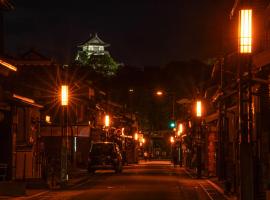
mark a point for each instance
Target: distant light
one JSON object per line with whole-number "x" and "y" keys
{"x": 245, "y": 31}
{"x": 143, "y": 140}
{"x": 48, "y": 119}
{"x": 180, "y": 129}
{"x": 64, "y": 95}
{"x": 131, "y": 90}
{"x": 136, "y": 136}
{"x": 189, "y": 124}
{"x": 198, "y": 108}
{"x": 159, "y": 93}
{"x": 172, "y": 139}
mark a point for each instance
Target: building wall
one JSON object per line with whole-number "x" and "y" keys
{"x": 6, "y": 141}
{"x": 26, "y": 157}
{"x": 211, "y": 153}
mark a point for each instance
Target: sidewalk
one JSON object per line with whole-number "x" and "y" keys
{"x": 213, "y": 181}
{"x": 76, "y": 177}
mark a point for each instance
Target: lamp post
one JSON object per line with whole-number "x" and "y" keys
{"x": 107, "y": 125}
{"x": 179, "y": 135}
{"x": 136, "y": 137}
{"x": 161, "y": 93}
{"x": 64, "y": 147}
{"x": 245, "y": 121}
{"x": 199, "y": 138}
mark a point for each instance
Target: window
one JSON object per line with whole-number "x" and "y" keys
{"x": 96, "y": 48}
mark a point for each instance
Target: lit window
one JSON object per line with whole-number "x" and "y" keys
{"x": 95, "y": 48}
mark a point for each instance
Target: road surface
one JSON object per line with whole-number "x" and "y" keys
{"x": 153, "y": 180}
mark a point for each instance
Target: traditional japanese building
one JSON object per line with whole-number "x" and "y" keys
{"x": 93, "y": 46}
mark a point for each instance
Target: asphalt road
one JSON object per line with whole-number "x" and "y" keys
{"x": 154, "y": 180}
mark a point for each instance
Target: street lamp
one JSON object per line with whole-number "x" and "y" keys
{"x": 199, "y": 151}
{"x": 245, "y": 107}
{"x": 198, "y": 108}
{"x": 180, "y": 129}
{"x": 48, "y": 119}
{"x": 107, "y": 121}
{"x": 143, "y": 140}
{"x": 245, "y": 31}
{"x": 64, "y": 150}
{"x": 179, "y": 134}
{"x": 160, "y": 93}
{"x": 172, "y": 139}
{"x": 107, "y": 125}
{"x": 136, "y": 136}
{"x": 64, "y": 95}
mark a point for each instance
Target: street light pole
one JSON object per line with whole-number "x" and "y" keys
{"x": 172, "y": 96}
{"x": 245, "y": 107}
{"x": 199, "y": 138}
{"x": 107, "y": 125}
{"x": 64, "y": 147}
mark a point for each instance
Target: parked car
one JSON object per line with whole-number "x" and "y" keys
{"x": 104, "y": 155}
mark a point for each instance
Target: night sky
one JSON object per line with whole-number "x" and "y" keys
{"x": 141, "y": 33}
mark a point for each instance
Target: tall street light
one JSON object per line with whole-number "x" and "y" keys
{"x": 64, "y": 151}
{"x": 179, "y": 136}
{"x": 107, "y": 125}
{"x": 199, "y": 150}
{"x": 245, "y": 122}
{"x": 161, "y": 93}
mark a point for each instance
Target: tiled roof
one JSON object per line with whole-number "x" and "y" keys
{"x": 95, "y": 41}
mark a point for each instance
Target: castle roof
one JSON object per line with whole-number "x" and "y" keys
{"x": 95, "y": 40}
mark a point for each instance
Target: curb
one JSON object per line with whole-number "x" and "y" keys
{"x": 214, "y": 185}
{"x": 78, "y": 183}
{"x": 37, "y": 194}
{"x": 221, "y": 190}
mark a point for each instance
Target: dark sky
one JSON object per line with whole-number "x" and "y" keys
{"x": 142, "y": 32}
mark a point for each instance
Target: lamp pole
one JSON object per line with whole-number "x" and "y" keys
{"x": 135, "y": 147}
{"x": 245, "y": 107}
{"x": 64, "y": 146}
{"x": 179, "y": 135}
{"x": 107, "y": 125}
{"x": 172, "y": 95}
{"x": 199, "y": 135}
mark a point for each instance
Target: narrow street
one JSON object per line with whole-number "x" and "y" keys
{"x": 155, "y": 180}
